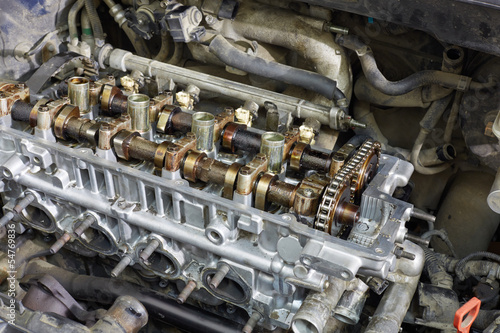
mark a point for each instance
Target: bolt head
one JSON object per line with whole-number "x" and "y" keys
{"x": 245, "y": 171}
{"x": 308, "y": 192}
{"x": 260, "y": 157}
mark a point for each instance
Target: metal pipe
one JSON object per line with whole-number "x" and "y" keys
{"x": 317, "y": 308}
{"x": 126, "y": 61}
{"x": 397, "y": 298}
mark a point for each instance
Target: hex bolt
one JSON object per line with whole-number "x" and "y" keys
{"x": 6, "y": 219}
{"x": 417, "y": 240}
{"x": 148, "y": 250}
{"x": 126, "y": 260}
{"x": 336, "y": 29}
{"x": 65, "y": 238}
{"x": 399, "y": 252}
{"x": 356, "y": 124}
{"x": 252, "y": 322}
{"x": 188, "y": 289}
{"x": 219, "y": 276}
{"x": 89, "y": 220}
{"x": 308, "y": 192}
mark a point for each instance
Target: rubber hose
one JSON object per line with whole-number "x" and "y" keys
{"x": 429, "y": 121}
{"x": 73, "y": 12}
{"x": 162, "y": 55}
{"x": 231, "y": 56}
{"x": 416, "y": 80}
{"x": 434, "y": 113}
{"x": 477, "y": 255}
{"x": 437, "y": 273}
{"x": 452, "y": 119}
{"x": 106, "y": 290}
{"x": 94, "y": 21}
{"x": 441, "y": 234}
{"x": 175, "y": 59}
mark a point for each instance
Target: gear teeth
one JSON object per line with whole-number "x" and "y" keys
{"x": 346, "y": 176}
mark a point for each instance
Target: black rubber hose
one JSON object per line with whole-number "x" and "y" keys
{"x": 106, "y": 290}
{"x": 419, "y": 79}
{"x": 231, "y": 56}
{"x": 476, "y": 255}
{"x": 434, "y": 113}
{"x": 436, "y": 271}
{"x": 94, "y": 20}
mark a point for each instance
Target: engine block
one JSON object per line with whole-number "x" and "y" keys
{"x": 216, "y": 244}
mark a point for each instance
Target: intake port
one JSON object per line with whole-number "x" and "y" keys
{"x": 231, "y": 289}
{"x": 38, "y": 218}
{"x": 97, "y": 240}
{"x": 159, "y": 262}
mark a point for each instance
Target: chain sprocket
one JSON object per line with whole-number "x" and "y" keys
{"x": 349, "y": 181}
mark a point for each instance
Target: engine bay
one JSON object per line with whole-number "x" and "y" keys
{"x": 249, "y": 166}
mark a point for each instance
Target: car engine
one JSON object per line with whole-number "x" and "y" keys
{"x": 248, "y": 166}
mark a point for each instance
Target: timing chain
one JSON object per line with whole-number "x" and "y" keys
{"x": 345, "y": 179}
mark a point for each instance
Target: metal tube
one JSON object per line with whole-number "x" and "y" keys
{"x": 317, "y": 308}
{"x": 126, "y": 61}
{"x": 351, "y": 303}
{"x": 79, "y": 95}
{"x": 203, "y": 126}
{"x": 272, "y": 145}
{"x": 397, "y": 298}
{"x": 138, "y": 109}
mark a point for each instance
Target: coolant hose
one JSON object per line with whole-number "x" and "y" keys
{"x": 231, "y": 56}
{"x": 419, "y": 79}
{"x": 429, "y": 121}
{"x": 106, "y": 290}
{"x": 459, "y": 268}
{"x": 73, "y": 12}
{"x": 95, "y": 22}
{"x": 437, "y": 273}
